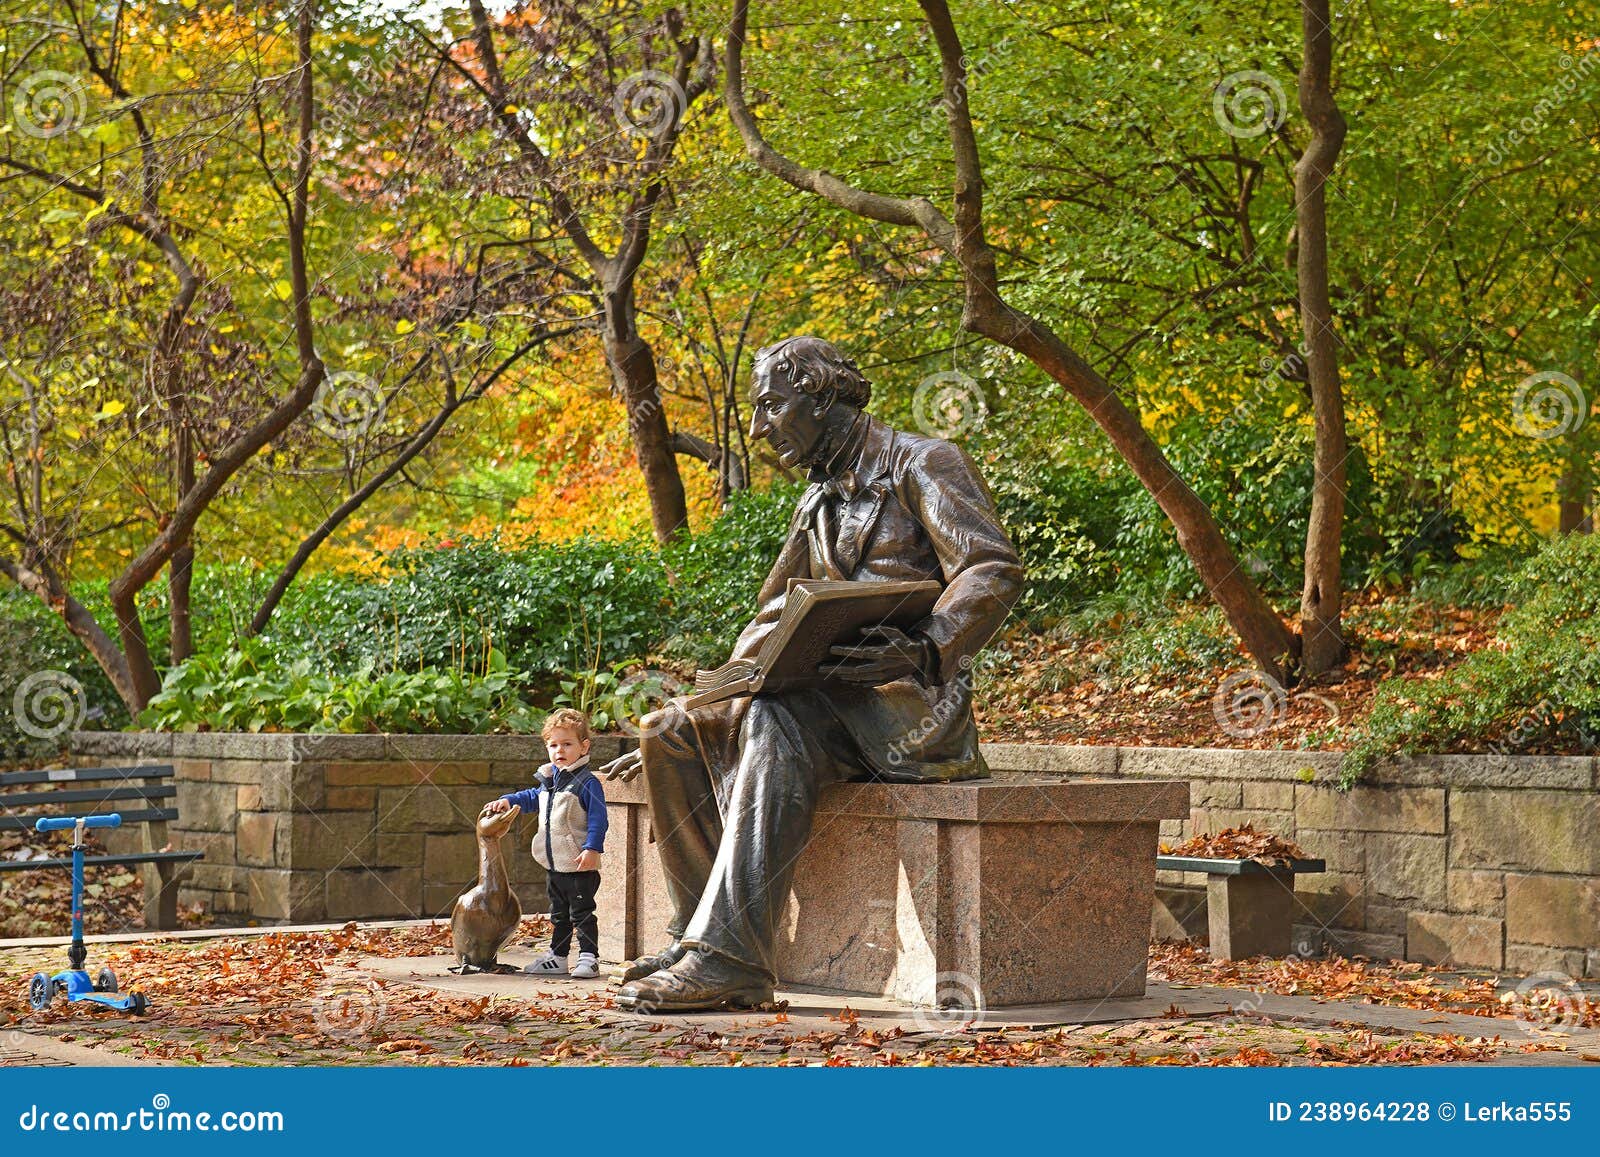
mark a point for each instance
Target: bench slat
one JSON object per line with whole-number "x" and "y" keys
{"x": 14, "y": 800}
{"x": 77, "y": 774}
{"x": 130, "y": 858}
{"x": 1221, "y": 867}
{"x": 159, "y": 815}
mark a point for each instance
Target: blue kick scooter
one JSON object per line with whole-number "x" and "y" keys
{"x": 74, "y": 983}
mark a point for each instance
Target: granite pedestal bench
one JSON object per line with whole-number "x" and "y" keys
{"x": 1016, "y": 890}
{"x": 1250, "y": 906}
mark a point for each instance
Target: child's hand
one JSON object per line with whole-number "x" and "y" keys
{"x": 496, "y": 806}
{"x": 588, "y": 860}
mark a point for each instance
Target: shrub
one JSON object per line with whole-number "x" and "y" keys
{"x": 1057, "y": 520}
{"x": 718, "y": 573}
{"x": 546, "y": 607}
{"x": 245, "y": 689}
{"x": 33, "y": 640}
{"x": 1539, "y": 686}
{"x": 1164, "y": 641}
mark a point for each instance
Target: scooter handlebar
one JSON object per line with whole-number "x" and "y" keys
{"x": 57, "y": 823}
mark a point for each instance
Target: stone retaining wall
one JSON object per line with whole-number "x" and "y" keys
{"x": 1474, "y": 860}
{"x": 314, "y": 827}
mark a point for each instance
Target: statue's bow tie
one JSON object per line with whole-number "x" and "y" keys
{"x": 844, "y": 487}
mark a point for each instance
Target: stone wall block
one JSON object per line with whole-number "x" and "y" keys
{"x": 1371, "y": 809}
{"x": 1529, "y": 831}
{"x": 1463, "y": 941}
{"x": 1408, "y": 868}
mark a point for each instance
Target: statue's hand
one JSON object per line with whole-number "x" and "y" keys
{"x": 624, "y": 767}
{"x": 884, "y": 655}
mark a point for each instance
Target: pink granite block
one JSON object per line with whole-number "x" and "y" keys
{"x": 1012, "y": 891}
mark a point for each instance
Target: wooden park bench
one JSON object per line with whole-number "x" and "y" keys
{"x": 113, "y": 788}
{"x": 1249, "y": 905}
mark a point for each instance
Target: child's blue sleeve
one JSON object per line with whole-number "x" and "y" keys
{"x": 527, "y": 800}
{"x": 594, "y": 803}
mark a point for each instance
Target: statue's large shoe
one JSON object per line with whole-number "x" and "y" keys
{"x": 699, "y": 981}
{"x": 645, "y": 965}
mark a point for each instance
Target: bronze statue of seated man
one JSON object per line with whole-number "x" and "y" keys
{"x": 733, "y": 785}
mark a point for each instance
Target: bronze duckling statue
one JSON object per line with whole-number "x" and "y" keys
{"x": 485, "y": 916}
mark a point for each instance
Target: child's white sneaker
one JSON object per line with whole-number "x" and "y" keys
{"x": 548, "y": 965}
{"x": 587, "y": 967}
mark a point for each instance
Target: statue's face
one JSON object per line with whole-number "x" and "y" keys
{"x": 790, "y": 419}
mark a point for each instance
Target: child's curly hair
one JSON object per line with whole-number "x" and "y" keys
{"x": 568, "y": 717}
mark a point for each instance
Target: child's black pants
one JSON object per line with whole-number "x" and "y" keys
{"x": 572, "y": 908}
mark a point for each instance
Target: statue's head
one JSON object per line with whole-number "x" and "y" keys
{"x": 801, "y": 384}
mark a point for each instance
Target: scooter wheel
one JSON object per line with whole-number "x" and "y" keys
{"x": 39, "y": 992}
{"x": 139, "y": 1005}
{"x": 106, "y": 981}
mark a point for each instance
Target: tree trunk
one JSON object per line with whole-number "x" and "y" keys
{"x": 1574, "y": 491}
{"x": 633, "y": 372}
{"x": 180, "y": 571}
{"x": 1322, "y": 644}
{"x": 1259, "y": 627}
{"x": 47, "y": 588}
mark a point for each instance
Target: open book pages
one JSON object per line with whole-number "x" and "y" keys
{"x": 818, "y": 614}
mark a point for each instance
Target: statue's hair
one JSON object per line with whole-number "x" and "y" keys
{"x": 570, "y": 718}
{"x": 813, "y": 365}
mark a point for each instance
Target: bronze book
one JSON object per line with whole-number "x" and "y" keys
{"x": 817, "y": 614}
